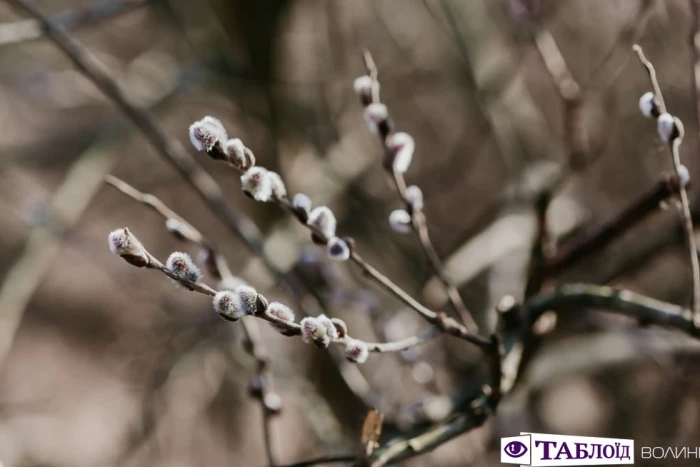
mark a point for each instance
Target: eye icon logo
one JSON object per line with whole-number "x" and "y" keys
{"x": 515, "y": 449}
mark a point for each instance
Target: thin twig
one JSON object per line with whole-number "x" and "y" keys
{"x": 674, "y": 147}
{"x": 419, "y": 222}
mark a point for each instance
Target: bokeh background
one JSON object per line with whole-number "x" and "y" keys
{"x": 104, "y": 364}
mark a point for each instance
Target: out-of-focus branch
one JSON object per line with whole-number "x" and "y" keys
{"x": 674, "y": 141}
{"x": 20, "y": 31}
{"x": 597, "y": 238}
{"x": 572, "y": 95}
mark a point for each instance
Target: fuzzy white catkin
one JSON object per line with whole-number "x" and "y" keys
{"x": 363, "y": 86}
{"x": 236, "y": 152}
{"x": 248, "y": 297}
{"x": 683, "y": 175}
{"x": 279, "y": 190}
{"x": 229, "y": 304}
{"x": 338, "y": 249}
{"x": 400, "y": 221}
{"x": 356, "y": 351}
{"x": 125, "y": 244}
{"x": 401, "y": 146}
{"x": 302, "y": 201}
{"x": 323, "y": 219}
{"x": 205, "y": 133}
{"x": 313, "y": 330}
{"x": 647, "y": 103}
{"x": 414, "y": 195}
{"x": 181, "y": 264}
{"x": 283, "y": 312}
{"x": 326, "y": 322}
{"x": 375, "y": 114}
{"x": 665, "y": 125}
{"x": 257, "y": 183}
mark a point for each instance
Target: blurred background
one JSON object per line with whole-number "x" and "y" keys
{"x": 104, "y": 364}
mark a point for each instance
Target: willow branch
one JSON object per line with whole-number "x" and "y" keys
{"x": 674, "y": 147}
{"x": 597, "y": 238}
{"x": 419, "y": 223}
{"x": 262, "y": 383}
{"x": 445, "y": 323}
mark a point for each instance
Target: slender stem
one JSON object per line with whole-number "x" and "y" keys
{"x": 419, "y": 225}
{"x": 674, "y": 147}
{"x": 419, "y": 222}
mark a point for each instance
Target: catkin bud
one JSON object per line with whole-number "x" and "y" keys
{"x": 356, "y": 351}
{"x": 257, "y": 184}
{"x": 648, "y": 105}
{"x": 363, "y": 88}
{"x": 182, "y": 265}
{"x": 400, "y": 221}
{"x": 284, "y": 313}
{"x": 340, "y": 326}
{"x": 377, "y": 117}
{"x": 205, "y": 133}
{"x": 248, "y": 298}
{"x": 337, "y": 249}
{"x": 666, "y": 126}
{"x": 683, "y": 175}
{"x": 400, "y": 148}
{"x": 302, "y": 206}
{"x": 125, "y": 244}
{"x": 314, "y": 331}
{"x": 328, "y": 324}
{"x": 323, "y": 220}
{"x": 239, "y": 155}
{"x": 228, "y": 304}
{"x": 279, "y": 190}
{"x": 414, "y": 195}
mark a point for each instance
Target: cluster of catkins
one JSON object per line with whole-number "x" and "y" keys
{"x": 209, "y": 135}
{"x": 239, "y": 299}
{"x": 321, "y": 331}
{"x": 399, "y": 148}
{"x": 668, "y": 127}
